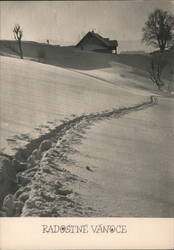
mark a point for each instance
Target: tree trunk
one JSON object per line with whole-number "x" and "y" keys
{"x": 162, "y": 47}
{"x": 20, "y": 49}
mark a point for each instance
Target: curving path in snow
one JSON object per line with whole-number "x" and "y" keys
{"x": 120, "y": 167}
{"x": 45, "y": 186}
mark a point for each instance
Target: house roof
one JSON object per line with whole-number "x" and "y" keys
{"x": 105, "y": 41}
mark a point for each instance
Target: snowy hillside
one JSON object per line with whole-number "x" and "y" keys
{"x": 34, "y": 94}
{"x": 69, "y": 129}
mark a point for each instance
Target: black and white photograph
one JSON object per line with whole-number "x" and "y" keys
{"x": 87, "y": 109}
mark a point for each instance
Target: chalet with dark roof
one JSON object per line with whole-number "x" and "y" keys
{"x": 94, "y": 42}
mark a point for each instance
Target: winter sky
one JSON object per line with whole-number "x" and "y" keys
{"x": 65, "y": 22}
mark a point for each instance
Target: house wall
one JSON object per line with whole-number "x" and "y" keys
{"x": 103, "y": 50}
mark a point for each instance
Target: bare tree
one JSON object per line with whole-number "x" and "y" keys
{"x": 18, "y": 37}
{"x": 159, "y": 30}
{"x": 157, "y": 66}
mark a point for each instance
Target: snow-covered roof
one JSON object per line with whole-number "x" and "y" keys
{"x": 104, "y": 41}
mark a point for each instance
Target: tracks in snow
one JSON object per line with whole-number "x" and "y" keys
{"x": 44, "y": 187}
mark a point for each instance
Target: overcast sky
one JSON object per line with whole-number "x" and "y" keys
{"x": 65, "y": 22}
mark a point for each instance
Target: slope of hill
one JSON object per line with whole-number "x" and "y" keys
{"x": 74, "y": 58}
{"x": 46, "y": 111}
{"x": 33, "y": 94}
